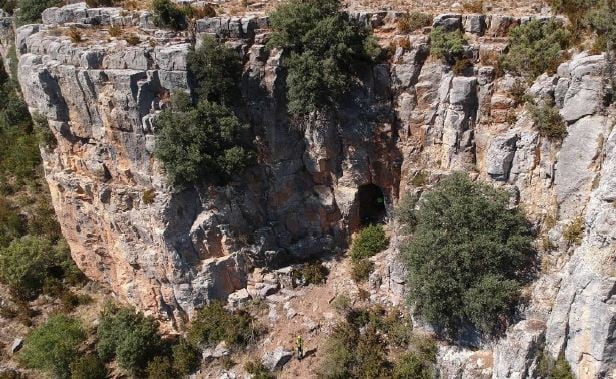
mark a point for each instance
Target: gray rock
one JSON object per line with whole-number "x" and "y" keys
{"x": 499, "y": 157}
{"x": 17, "y": 345}
{"x": 449, "y": 22}
{"x": 275, "y": 360}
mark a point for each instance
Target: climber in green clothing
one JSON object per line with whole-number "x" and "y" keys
{"x": 300, "y": 347}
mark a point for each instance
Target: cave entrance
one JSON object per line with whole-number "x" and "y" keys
{"x": 371, "y": 204}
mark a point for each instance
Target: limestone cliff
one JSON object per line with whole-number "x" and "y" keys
{"x": 409, "y": 117}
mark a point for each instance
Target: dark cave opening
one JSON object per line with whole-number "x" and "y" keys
{"x": 371, "y": 204}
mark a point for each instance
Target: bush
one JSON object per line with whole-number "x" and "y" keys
{"x": 115, "y": 31}
{"x": 549, "y": 122}
{"x": 473, "y": 6}
{"x": 27, "y": 263}
{"x": 369, "y": 241}
{"x": 325, "y": 50}
{"x": 448, "y": 46}
{"x": 186, "y": 358}
{"x": 201, "y": 144}
{"x": 101, "y": 3}
{"x": 132, "y": 40}
{"x": 148, "y": 196}
{"x": 467, "y": 254}
{"x": 168, "y": 15}
{"x": 75, "y": 35}
{"x": 52, "y": 346}
{"x": 461, "y": 66}
{"x": 30, "y": 10}
{"x": 411, "y": 365}
{"x": 361, "y": 269}
{"x": 534, "y": 48}
{"x": 257, "y": 370}
{"x": 160, "y": 368}
{"x": 314, "y": 273}
{"x": 217, "y": 70}
{"x": 549, "y": 368}
{"x": 213, "y": 324}
{"x": 130, "y": 337}
{"x": 413, "y": 21}
{"x": 88, "y": 367}
{"x": 574, "y": 231}
{"x": 518, "y": 92}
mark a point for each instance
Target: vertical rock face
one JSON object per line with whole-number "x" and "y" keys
{"x": 169, "y": 252}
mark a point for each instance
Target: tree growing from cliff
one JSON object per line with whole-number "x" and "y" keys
{"x": 448, "y": 46}
{"x": 535, "y": 47}
{"x": 217, "y": 70}
{"x": 206, "y": 143}
{"x": 167, "y": 14}
{"x": 467, "y": 254}
{"x": 324, "y": 48}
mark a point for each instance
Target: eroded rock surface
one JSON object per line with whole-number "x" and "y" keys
{"x": 410, "y": 117}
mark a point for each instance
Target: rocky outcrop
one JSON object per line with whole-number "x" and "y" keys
{"x": 171, "y": 251}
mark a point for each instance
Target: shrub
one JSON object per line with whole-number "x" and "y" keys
{"x": 411, "y": 365}
{"x": 71, "y": 300}
{"x": 132, "y": 40}
{"x": 548, "y": 121}
{"x": 369, "y": 241}
{"x": 325, "y": 50}
{"x": 549, "y": 368}
{"x": 130, "y": 337}
{"x": 413, "y": 21}
{"x": 27, "y": 263}
{"x": 217, "y": 70}
{"x": 186, "y": 358}
{"x": 473, "y": 6}
{"x": 361, "y": 269}
{"x": 115, "y": 31}
{"x": 88, "y": 367}
{"x": 75, "y": 35}
{"x": 314, "y": 273}
{"x": 201, "y": 144}
{"x": 213, "y": 324}
{"x": 518, "y": 92}
{"x": 467, "y": 254}
{"x": 52, "y": 346}
{"x": 534, "y": 48}
{"x": 168, "y": 15}
{"x": 148, "y": 196}
{"x": 574, "y": 231}
{"x": 448, "y": 46}
{"x": 160, "y": 368}
{"x": 257, "y": 370}
{"x": 30, "y": 10}
{"x": 461, "y": 66}
{"x": 199, "y": 11}
{"x": 342, "y": 304}
{"x": 101, "y": 3}
{"x": 12, "y": 225}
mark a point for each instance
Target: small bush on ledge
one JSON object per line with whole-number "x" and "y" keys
{"x": 448, "y": 46}
{"x": 414, "y": 21}
{"x": 548, "y": 121}
{"x": 168, "y": 15}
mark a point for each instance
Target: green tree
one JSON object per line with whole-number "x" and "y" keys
{"x": 548, "y": 121}
{"x": 535, "y": 47}
{"x": 325, "y": 49}
{"x": 411, "y": 365}
{"x": 217, "y": 70}
{"x": 201, "y": 144}
{"x": 88, "y": 367}
{"x": 24, "y": 265}
{"x": 30, "y": 10}
{"x": 130, "y": 337}
{"x": 369, "y": 241}
{"x": 52, "y": 346}
{"x": 467, "y": 255}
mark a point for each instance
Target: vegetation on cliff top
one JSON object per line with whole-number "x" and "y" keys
{"x": 324, "y": 49}
{"x": 536, "y": 47}
{"x": 467, "y": 255}
{"x": 205, "y": 143}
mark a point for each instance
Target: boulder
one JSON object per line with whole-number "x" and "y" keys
{"x": 500, "y": 156}
{"x": 276, "y": 359}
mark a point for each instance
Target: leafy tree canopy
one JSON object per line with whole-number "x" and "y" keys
{"x": 467, "y": 255}
{"x": 325, "y": 48}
